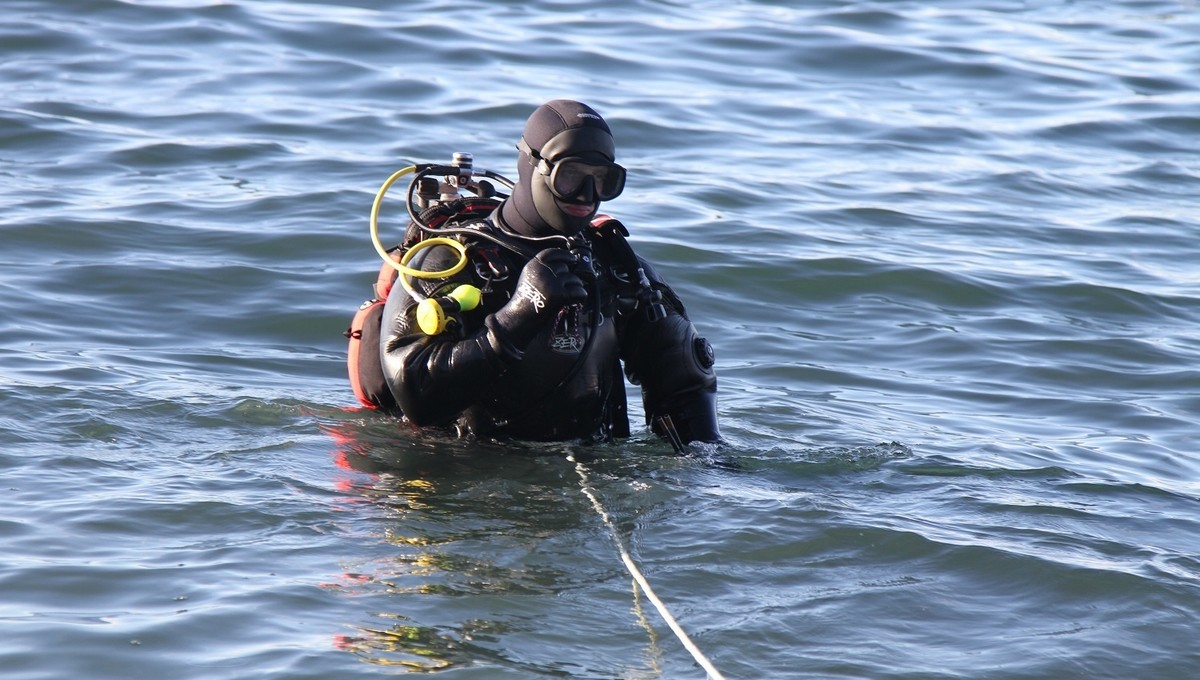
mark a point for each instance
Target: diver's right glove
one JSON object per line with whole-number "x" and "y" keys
{"x": 547, "y": 284}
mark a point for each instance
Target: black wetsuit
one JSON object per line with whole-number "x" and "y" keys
{"x": 566, "y": 383}
{"x": 516, "y": 367}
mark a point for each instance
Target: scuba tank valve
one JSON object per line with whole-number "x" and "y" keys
{"x": 462, "y": 166}
{"x": 460, "y": 174}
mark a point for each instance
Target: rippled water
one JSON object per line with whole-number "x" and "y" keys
{"x": 947, "y": 254}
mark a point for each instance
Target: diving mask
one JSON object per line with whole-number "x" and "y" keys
{"x": 573, "y": 177}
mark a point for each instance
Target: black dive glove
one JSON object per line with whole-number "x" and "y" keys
{"x": 547, "y": 284}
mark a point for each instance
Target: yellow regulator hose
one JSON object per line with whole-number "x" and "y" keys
{"x": 402, "y": 265}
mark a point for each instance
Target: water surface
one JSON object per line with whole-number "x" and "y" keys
{"x": 946, "y": 253}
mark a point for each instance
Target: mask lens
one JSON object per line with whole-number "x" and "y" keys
{"x": 568, "y": 178}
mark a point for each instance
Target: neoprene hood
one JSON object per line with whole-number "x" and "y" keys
{"x": 557, "y": 129}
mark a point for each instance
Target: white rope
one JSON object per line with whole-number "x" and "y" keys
{"x": 639, "y": 578}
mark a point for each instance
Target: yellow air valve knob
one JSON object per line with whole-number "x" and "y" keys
{"x": 432, "y": 313}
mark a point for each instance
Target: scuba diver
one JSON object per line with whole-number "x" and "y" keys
{"x": 518, "y": 325}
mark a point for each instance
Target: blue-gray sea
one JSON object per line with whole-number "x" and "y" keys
{"x": 948, "y": 254}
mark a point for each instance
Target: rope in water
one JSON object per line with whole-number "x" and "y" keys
{"x": 639, "y": 578}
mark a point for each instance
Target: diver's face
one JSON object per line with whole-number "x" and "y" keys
{"x": 566, "y": 215}
{"x": 575, "y": 185}
{"x": 570, "y": 174}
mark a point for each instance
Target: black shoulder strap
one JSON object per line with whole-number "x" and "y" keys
{"x": 614, "y": 234}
